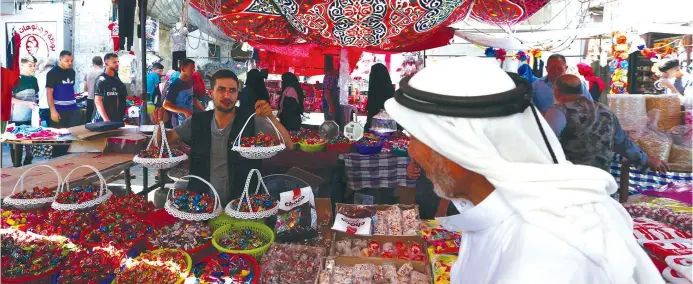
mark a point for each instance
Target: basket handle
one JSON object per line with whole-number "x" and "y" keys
{"x": 164, "y": 141}
{"x": 247, "y": 186}
{"x": 217, "y": 201}
{"x": 20, "y": 182}
{"x": 237, "y": 141}
{"x": 101, "y": 179}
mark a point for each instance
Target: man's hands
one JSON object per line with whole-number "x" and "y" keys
{"x": 159, "y": 115}
{"x": 413, "y": 170}
{"x": 263, "y": 109}
{"x": 657, "y": 165}
{"x": 55, "y": 116}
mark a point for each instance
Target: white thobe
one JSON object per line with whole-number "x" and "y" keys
{"x": 500, "y": 247}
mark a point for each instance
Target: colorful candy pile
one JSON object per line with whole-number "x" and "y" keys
{"x": 399, "y": 144}
{"x": 165, "y": 267}
{"x": 64, "y": 223}
{"x": 36, "y": 192}
{"x": 78, "y": 195}
{"x": 120, "y": 233}
{"x": 368, "y": 140}
{"x": 339, "y": 140}
{"x": 258, "y": 203}
{"x": 155, "y": 152}
{"x": 16, "y": 219}
{"x": 181, "y": 235}
{"x": 260, "y": 140}
{"x": 92, "y": 266}
{"x": 128, "y": 205}
{"x": 193, "y": 202}
{"x": 242, "y": 240}
{"x": 224, "y": 268}
{"x": 312, "y": 141}
{"x": 373, "y": 248}
{"x": 372, "y": 273}
{"x": 28, "y": 254}
{"x": 291, "y": 263}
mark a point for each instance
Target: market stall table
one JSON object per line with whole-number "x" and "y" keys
{"x": 629, "y": 177}
{"x": 109, "y": 164}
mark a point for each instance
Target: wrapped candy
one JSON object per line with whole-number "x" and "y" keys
{"x": 27, "y": 254}
{"x": 193, "y": 202}
{"x": 155, "y": 152}
{"x": 120, "y": 233}
{"x": 364, "y": 270}
{"x": 296, "y": 217}
{"x": 431, "y": 231}
{"x": 442, "y": 265}
{"x": 290, "y": 263}
{"x": 17, "y": 219}
{"x": 225, "y": 268}
{"x": 394, "y": 221}
{"x": 164, "y": 266}
{"x": 381, "y": 223}
{"x": 410, "y": 222}
{"x": 92, "y": 266}
{"x": 131, "y": 205}
{"x": 242, "y": 240}
{"x": 260, "y": 140}
{"x": 70, "y": 224}
{"x": 181, "y": 235}
{"x": 258, "y": 203}
{"x": 78, "y": 195}
{"x": 36, "y": 192}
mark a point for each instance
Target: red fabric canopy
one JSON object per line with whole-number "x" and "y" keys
{"x": 311, "y": 64}
{"x": 375, "y": 25}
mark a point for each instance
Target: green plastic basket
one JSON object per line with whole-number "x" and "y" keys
{"x": 225, "y": 219}
{"x": 311, "y": 148}
{"x": 181, "y": 279}
{"x": 259, "y": 228}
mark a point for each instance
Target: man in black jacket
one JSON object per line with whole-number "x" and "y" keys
{"x": 211, "y": 135}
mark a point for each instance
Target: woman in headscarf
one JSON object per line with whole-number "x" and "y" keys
{"x": 596, "y": 86}
{"x": 254, "y": 90}
{"x": 526, "y": 72}
{"x": 291, "y": 102}
{"x": 380, "y": 89}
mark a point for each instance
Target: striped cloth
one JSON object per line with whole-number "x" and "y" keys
{"x": 383, "y": 170}
{"x": 641, "y": 181}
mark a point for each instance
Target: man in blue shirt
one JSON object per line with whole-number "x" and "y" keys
{"x": 60, "y": 92}
{"x": 543, "y": 88}
{"x": 154, "y": 78}
{"x": 589, "y": 132}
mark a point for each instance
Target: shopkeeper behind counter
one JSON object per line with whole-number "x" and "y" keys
{"x": 211, "y": 135}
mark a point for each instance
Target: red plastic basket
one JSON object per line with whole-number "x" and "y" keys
{"x": 139, "y": 244}
{"x": 196, "y": 254}
{"x": 339, "y": 148}
{"x": 252, "y": 260}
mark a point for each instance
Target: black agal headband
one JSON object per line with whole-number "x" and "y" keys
{"x": 495, "y": 105}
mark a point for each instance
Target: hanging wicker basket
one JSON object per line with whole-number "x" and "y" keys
{"x": 160, "y": 163}
{"x": 194, "y": 216}
{"x": 257, "y": 153}
{"x": 237, "y": 213}
{"x": 104, "y": 193}
{"x": 32, "y": 203}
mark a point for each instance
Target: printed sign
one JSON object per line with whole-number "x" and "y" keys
{"x": 38, "y": 39}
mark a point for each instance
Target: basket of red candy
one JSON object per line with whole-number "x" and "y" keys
{"x": 35, "y": 198}
{"x": 339, "y": 144}
{"x": 369, "y": 144}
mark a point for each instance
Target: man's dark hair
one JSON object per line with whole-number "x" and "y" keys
{"x": 109, "y": 56}
{"x": 157, "y": 66}
{"x": 568, "y": 87}
{"x": 97, "y": 61}
{"x": 65, "y": 53}
{"x": 223, "y": 74}
{"x": 186, "y": 62}
{"x": 669, "y": 64}
{"x": 28, "y": 59}
{"x": 556, "y": 56}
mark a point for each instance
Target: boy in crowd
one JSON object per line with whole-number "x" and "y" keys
{"x": 24, "y": 97}
{"x": 60, "y": 92}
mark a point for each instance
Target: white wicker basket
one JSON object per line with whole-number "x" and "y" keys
{"x": 103, "y": 191}
{"x": 236, "y": 213}
{"x": 26, "y": 204}
{"x": 194, "y": 216}
{"x": 160, "y": 163}
{"x": 257, "y": 153}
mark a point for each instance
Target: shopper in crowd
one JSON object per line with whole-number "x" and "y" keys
{"x": 253, "y": 90}
{"x": 528, "y": 216}
{"x": 380, "y": 89}
{"x": 596, "y": 84}
{"x": 200, "y": 92}
{"x": 589, "y": 132}
{"x": 676, "y": 81}
{"x": 24, "y": 97}
{"x": 154, "y": 78}
{"x": 179, "y": 97}
{"x": 291, "y": 102}
{"x": 111, "y": 93}
{"x": 330, "y": 92}
{"x": 211, "y": 134}
{"x": 60, "y": 92}
{"x": 44, "y": 111}
{"x": 543, "y": 88}
{"x": 90, "y": 81}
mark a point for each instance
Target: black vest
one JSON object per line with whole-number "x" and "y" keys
{"x": 200, "y": 154}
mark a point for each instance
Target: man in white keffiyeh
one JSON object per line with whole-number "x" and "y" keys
{"x": 527, "y": 214}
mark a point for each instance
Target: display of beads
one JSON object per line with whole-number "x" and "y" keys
{"x": 193, "y": 202}
{"x": 260, "y": 140}
{"x": 36, "y": 192}
{"x": 120, "y": 233}
{"x": 27, "y": 254}
{"x": 78, "y": 195}
{"x": 258, "y": 203}
{"x": 16, "y": 219}
{"x": 242, "y": 240}
{"x": 130, "y": 205}
{"x": 92, "y": 266}
{"x": 70, "y": 224}
{"x": 181, "y": 235}
{"x": 163, "y": 267}
{"x": 224, "y": 268}
{"x": 155, "y": 152}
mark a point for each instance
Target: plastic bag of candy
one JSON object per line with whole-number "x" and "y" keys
{"x": 296, "y": 218}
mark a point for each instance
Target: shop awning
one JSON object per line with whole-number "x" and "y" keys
{"x": 167, "y": 12}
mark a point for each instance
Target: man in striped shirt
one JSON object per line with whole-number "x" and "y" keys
{"x": 60, "y": 93}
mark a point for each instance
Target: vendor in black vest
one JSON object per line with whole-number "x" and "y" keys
{"x": 211, "y": 135}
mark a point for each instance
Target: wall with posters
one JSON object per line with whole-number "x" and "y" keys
{"x": 41, "y": 29}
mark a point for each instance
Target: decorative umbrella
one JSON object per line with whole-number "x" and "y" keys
{"x": 375, "y": 25}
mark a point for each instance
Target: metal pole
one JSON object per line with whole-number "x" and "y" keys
{"x": 144, "y": 118}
